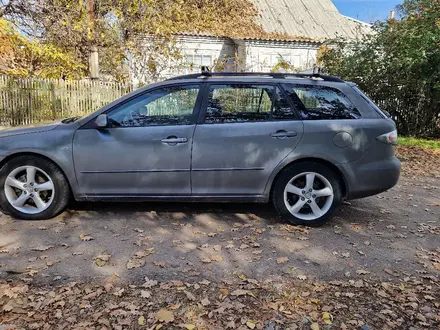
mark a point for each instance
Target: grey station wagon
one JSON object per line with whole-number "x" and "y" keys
{"x": 303, "y": 142}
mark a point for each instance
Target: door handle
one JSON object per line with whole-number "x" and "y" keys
{"x": 174, "y": 140}
{"x": 284, "y": 134}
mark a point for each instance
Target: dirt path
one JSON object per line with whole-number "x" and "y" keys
{"x": 387, "y": 235}
{"x": 206, "y": 248}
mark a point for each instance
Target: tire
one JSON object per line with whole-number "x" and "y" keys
{"x": 302, "y": 204}
{"x": 52, "y": 198}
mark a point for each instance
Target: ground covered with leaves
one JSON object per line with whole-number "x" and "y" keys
{"x": 248, "y": 304}
{"x": 376, "y": 265}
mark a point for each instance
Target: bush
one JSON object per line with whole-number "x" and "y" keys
{"x": 398, "y": 66}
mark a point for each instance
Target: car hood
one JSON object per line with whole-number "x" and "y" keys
{"x": 35, "y": 128}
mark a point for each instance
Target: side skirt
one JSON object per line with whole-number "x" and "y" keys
{"x": 203, "y": 198}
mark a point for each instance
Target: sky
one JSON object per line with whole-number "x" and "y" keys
{"x": 366, "y": 10}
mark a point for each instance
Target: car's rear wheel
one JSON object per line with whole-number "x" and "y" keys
{"x": 32, "y": 188}
{"x": 307, "y": 193}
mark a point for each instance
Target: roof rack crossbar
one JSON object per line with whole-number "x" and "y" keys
{"x": 207, "y": 74}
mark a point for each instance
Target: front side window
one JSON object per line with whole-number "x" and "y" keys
{"x": 231, "y": 103}
{"x": 172, "y": 105}
{"x": 321, "y": 102}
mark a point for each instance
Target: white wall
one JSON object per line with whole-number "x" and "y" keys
{"x": 262, "y": 56}
{"x": 241, "y": 55}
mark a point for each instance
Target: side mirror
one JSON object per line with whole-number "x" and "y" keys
{"x": 101, "y": 121}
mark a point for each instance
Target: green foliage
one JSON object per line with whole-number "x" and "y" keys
{"x": 22, "y": 57}
{"x": 398, "y": 66}
{"x": 283, "y": 65}
{"x": 411, "y": 141}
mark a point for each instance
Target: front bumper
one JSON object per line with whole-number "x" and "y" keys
{"x": 367, "y": 179}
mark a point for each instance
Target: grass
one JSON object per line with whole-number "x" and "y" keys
{"x": 411, "y": 141}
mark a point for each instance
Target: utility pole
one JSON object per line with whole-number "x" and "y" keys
{"x": 93, "y": 56}
{"x": 392, "y": 14}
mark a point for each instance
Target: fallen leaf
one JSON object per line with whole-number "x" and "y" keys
{"x": 102, "y": 259}
{"x": 135, "y": 263}
{"x": 189, "y": 326}
{"x": 42, "y": 248}
{"x": 145, "y": 294}
{"x": 282, "y": 260}
{"x": 217, "y": 258}
{"x": 164, "y": 315}
{"x": 239, "y": 292}
{"x": 327, "y": 318}
{"x": 85, "y": 237}
{"x": 314, "y": 326}
{"x": 161, "y": 264}
{"x": 189, "y": 295}
{"x": 149, "y": 283}
{"x": 205, "y": 302}
{"x": 141, "y": 320}
{"x": 250, "y": 325}
{"x": 142, "y": 254}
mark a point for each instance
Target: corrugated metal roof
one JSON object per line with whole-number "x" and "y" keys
{"x": 314, "y": 19}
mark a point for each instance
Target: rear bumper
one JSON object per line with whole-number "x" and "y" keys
{"x": 366, "y": 179}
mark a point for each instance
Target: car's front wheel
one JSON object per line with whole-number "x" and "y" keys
{"x": 32, "y": 188}
{"x": 307, "y": 193}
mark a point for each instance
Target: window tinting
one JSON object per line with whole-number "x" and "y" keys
{"x": 243, "y": 103}
{"x": 172, "y": 105}
{"x": 320, "y": 102}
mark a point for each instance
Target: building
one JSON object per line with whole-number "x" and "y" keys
{"x": 303, "y": 27}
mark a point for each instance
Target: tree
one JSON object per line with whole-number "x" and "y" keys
{"x": 398, "y": 66}
{"x": 127, "y": 29}
{"x": 21, "y": 57}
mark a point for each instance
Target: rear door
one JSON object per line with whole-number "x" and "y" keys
{"x": 244, "y": 131}
{"x": 333, "y": 129}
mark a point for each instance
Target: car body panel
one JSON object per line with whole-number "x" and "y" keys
{"x": 133, "y": 161}
{"x": 238, "y": 158}
{"x": 54, "y": 143}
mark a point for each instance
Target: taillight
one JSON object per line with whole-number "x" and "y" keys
{"x": 390, "y": 138}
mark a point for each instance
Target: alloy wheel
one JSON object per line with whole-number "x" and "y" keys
{"x": 29, "y": 189}
{"x": 308, "y": 196}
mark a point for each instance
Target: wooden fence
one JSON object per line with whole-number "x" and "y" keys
{"x": 28, "y": 101}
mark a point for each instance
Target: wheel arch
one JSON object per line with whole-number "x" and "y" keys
{"x": 324, "y": 162}
{"x": 35, "y": 154}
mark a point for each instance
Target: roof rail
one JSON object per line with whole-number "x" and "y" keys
{"x": 278, "y": 75}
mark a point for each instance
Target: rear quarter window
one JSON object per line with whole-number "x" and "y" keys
{"x": 321, "y": 102}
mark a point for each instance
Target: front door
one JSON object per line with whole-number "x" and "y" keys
{"x": 146, "y": 148}
{"x": 244, "y": 132}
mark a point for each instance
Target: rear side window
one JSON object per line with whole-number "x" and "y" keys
{"x": 321, "y": 102}
{"x": 232, "y": 103}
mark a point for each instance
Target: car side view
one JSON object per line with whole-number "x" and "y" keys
{"x": 303, "y": 142}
